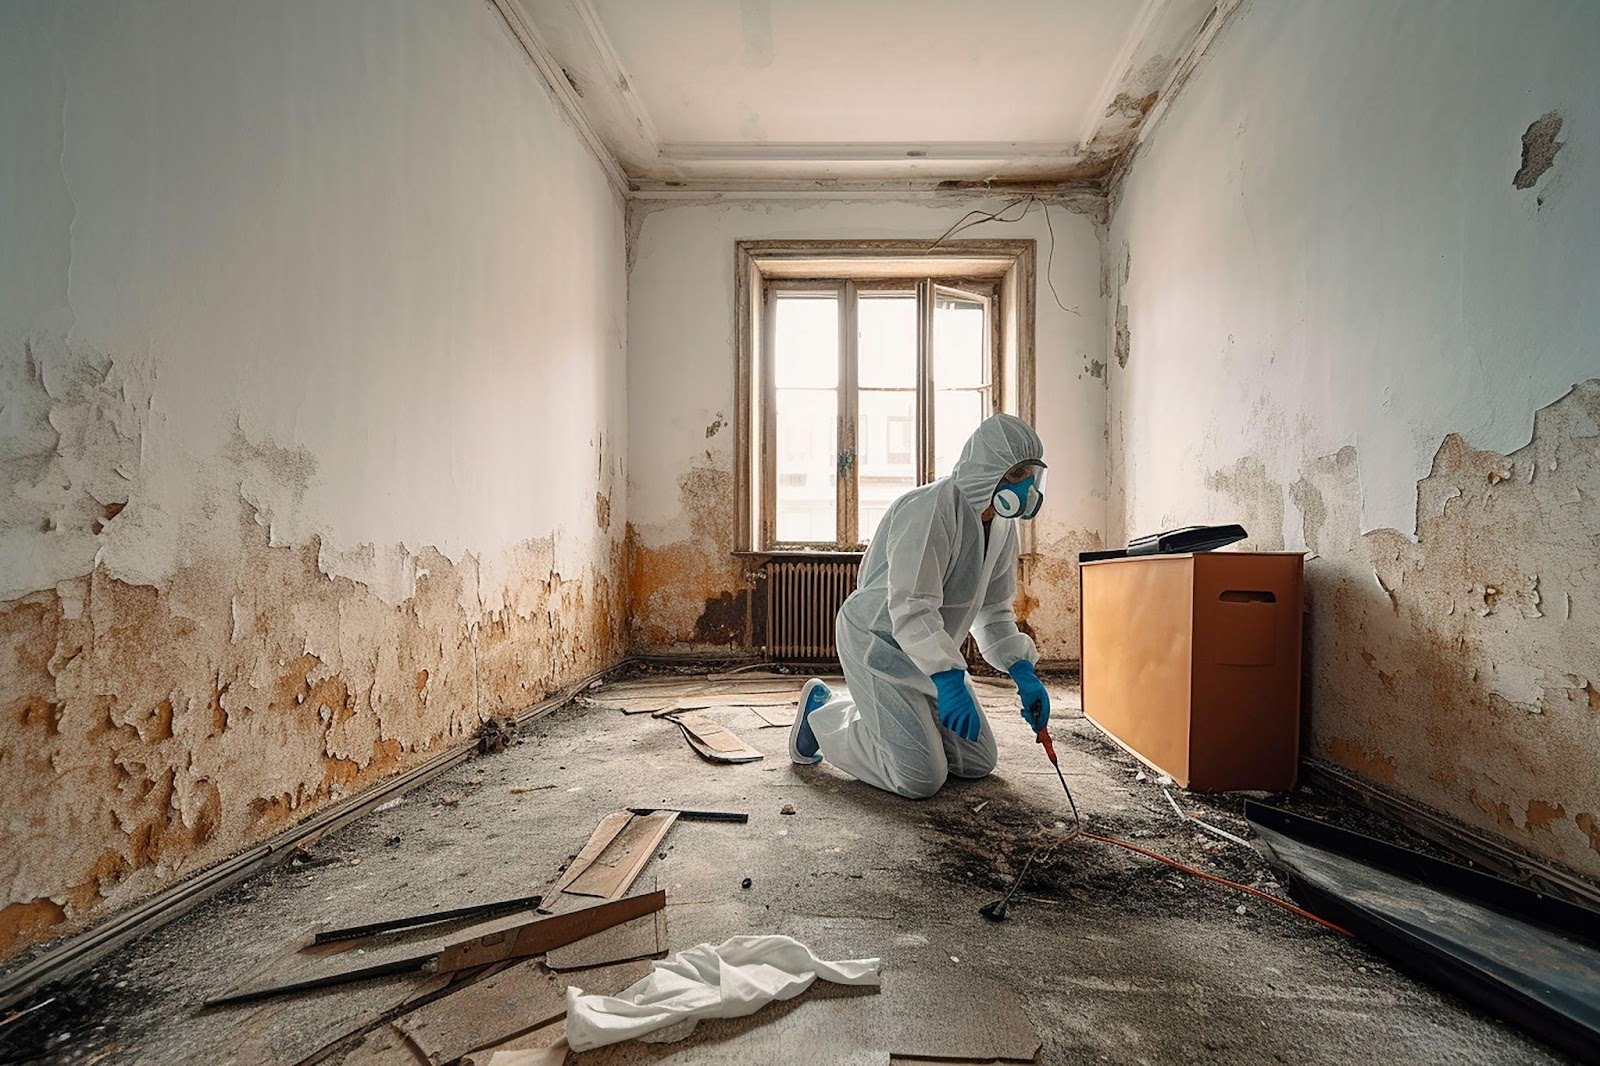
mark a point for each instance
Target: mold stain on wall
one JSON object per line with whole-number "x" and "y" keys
{"x": 685, "y": 587}
{"x": 160, "y": 726}
{"x": 1462, "y": 667}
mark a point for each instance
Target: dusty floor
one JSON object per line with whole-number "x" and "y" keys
{"x": 1114, "y": 957}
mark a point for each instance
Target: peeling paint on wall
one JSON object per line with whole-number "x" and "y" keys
{"x": 181, "y": 720}
{"x": 1461, "y": 667}
{"x": 1047, "y": 599}
{"x": 284, "y": 509}
{"x": 1362, "y": 307}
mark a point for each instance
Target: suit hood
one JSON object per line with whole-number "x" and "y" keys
{"x": 999, "y": 443}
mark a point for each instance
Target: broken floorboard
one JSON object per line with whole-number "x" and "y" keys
{"x": 712, "y": 740}
{"x": 615, "y": 854}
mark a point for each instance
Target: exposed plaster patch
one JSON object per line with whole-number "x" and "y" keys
{"x": 153, "y": 726}
{"x": 1539, "y": 148}
{"x": 1484, "y": 702}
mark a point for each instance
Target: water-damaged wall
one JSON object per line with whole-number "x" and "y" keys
{"x": 311, "y": 420}
{"x": 1352, "y": 287}
{"x": 687, "y": 589}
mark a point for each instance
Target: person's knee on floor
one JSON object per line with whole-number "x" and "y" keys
{"x": 974, "y": 760}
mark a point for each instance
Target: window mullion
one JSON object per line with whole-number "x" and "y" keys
{"x": 849, "y": 476}
{"x": 924, "y": 381}
{"x": 769, "y": 420}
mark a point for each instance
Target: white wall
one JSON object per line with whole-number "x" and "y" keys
{"x": 1329, "y": 273}
{"x": 681, "y": 399}
{"x": 311, "y": 351}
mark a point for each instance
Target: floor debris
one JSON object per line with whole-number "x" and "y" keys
{"x": 412, "y": 921}
{"x": 727, "y": 980}
{"x": 713, "y": 741}
{"x": 518, "y": 999}
{"x": 519, "y": 937}
{"x": 615, "y": 854}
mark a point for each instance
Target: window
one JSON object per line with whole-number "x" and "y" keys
{"x": 861, "y": 377}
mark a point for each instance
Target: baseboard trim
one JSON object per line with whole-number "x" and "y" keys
{"x": 1474, "y": 846}
{"x": 81, "y": 950}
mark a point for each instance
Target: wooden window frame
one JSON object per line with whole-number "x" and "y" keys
{"x": 1000, "y": 272}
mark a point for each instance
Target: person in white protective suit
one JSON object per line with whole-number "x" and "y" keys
{"x": 943, "y": 563}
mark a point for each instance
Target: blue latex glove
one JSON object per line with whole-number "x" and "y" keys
{"x": 1035, "y": 700}
{"x": 957, "y": 712}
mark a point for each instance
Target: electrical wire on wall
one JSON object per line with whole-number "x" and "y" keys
{"x": 1027, "y": 203}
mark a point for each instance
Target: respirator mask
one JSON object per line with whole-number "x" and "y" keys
{"x": 1021, "y": 494}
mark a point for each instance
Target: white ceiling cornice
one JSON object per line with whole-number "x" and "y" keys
{"x": 575, "y": 55}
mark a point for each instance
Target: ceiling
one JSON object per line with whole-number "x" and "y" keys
{"x": 728, "y": 94}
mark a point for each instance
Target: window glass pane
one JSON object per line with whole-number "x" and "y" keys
{"x": 807, "y": 464}
{"x": 806, "y": 341}
{"x": 956, "y": 413}
{"x": 958, "y": 343}
{"x": 888, "y": 348}
{"x": 886, "y": 442}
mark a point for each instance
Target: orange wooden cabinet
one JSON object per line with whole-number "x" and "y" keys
{"x": 1192, "y": 663}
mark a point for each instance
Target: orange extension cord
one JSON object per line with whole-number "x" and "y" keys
{"x": 1078, "y": 830}
{"x": 1176, "y": 865}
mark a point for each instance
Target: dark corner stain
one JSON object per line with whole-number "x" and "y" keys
{"x": 722, "y": 622}
{"x": 1539, "y": 148}
{"x": 572, "y": 82}
{"x": 1097, "y": 369}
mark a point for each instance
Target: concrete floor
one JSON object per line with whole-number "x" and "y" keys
{"x": 1115, "y": 958}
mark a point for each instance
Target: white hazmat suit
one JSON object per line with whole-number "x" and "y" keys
{"x": 926, "y": 580}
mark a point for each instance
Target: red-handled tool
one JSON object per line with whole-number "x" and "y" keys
{"x": 1043, "y": 737}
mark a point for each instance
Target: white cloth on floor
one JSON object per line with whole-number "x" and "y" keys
{"x": 727, "y": 980}
{"x": 929, "y": 577}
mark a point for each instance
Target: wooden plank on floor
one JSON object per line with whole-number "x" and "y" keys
{"x": 641, "y": 938}
{"x": 712, "y": 740}
{"x": 517, "y": 1000}
{"x": 516, "y": 938}
{"x": 611, "y": 873}
{"x": 604, "y": 834}
{"x": 550, "y": 1040}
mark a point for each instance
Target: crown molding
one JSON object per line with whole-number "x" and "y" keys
{"x": 555, "y": 82}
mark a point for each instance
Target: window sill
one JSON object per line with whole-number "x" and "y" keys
{"x": 804, "y": 553}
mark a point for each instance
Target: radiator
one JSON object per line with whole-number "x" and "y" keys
{"x": 803, "y": 595}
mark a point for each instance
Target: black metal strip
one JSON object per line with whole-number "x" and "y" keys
{"x": 389, "y": 925}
